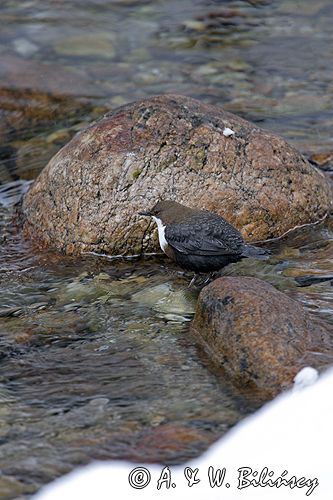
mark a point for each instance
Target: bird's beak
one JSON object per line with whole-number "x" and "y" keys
{"x": 147, "y": 214}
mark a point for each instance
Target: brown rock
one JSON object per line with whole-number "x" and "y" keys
{"x": 32, "y": 156}
{"x": 323, "y": 159}
{"x": 25, "y": 117}
{"x": 28, "y": 111}
{"x": 169, "y": 147}
{"x": 258, "y": 335}
{"x": 21, "y": 74}
{"x": 167, "y": 442}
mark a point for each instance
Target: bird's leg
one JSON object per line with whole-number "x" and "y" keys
{"x": 208, "y": 279}
{"x": 192, "y": 280}
{"x": 201, "y": 283}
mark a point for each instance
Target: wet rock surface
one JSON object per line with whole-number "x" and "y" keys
{"x": 324, "y": 160}
{"x": 258, "y": 335}
{"x": 169, "y": 147}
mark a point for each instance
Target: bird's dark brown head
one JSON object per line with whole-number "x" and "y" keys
{"x": 168, "y": 211}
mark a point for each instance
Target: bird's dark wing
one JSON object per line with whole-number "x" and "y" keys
{"x": 205, "y": 235}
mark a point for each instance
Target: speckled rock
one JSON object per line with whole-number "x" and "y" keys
{"x": 258, "y": 335}
{"x": 169, "y": 147}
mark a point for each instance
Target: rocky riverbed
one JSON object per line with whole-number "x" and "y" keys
{"x": 174, "y": 147}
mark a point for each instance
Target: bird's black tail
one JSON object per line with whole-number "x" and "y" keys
{"x": 255, "y": 252}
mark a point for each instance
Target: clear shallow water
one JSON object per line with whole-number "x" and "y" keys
{"x": 96, "y": 360}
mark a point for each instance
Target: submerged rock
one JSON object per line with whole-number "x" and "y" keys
{"x": 169, "y": 147}
{"x": 258, "y": 335}
{"x": 97, "y": 45}
{"x": 173, "y": 304}
{"x": 32, "y": 156}
{"x": 324, "y": 160}
{"x": 168, "y": 439}
{"x": 26, "y": 116}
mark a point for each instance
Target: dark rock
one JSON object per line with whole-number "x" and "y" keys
{"x": 169, "y": 147}
{"x": 258, "y": 335}
{"x": 312, "y": 280}
{"x": 7, "y": 162}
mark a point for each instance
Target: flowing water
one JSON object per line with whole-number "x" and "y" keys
{"x": 96, "y": 358}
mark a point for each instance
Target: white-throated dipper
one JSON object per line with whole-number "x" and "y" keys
{"x": 198, "y": 240}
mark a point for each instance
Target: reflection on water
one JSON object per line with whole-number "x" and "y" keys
{"x": 96, "y": 360}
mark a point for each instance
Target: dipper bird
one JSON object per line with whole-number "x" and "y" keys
{"x": 198, "y": 240}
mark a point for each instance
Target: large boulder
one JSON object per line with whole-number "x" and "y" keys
{"x": 88, "y": 196}
{"x": 259, "y": 336}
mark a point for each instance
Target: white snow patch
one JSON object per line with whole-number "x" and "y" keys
{"x": 305, "y": 377}
{"x": 228, "y": 132}
{"x": 292, "y": 435}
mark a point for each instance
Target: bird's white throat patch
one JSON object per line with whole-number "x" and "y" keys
{"x": 161, "y": 233}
